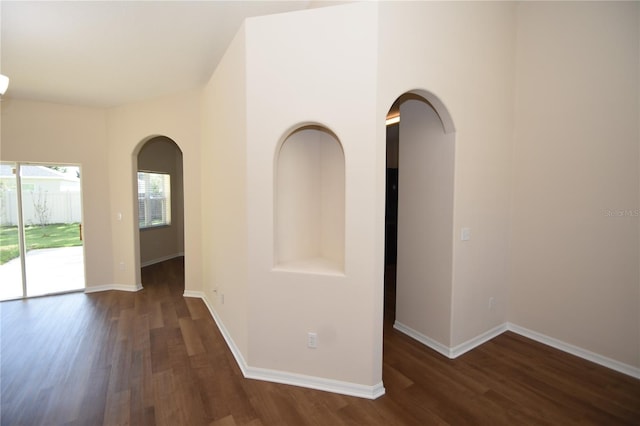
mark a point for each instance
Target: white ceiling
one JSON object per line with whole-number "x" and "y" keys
{"x": 110, "y": 53}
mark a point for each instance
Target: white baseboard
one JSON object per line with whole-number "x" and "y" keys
{"x": 577, "y": 351}
{"x": 223, "y": 330}
{"x": 196, "y": 294}
{"x": 473, "y": 343}
{"x": 317, "y": 383}
{"x": 445, "y": 350}
{"x": 287, "y": 378}
{"x": 427, "y": 341}
{"x": 160, "y": 259}
{"x": 118, "y": 287}
{"x": 373, "y": 392}
{"x": 533, "y": 335}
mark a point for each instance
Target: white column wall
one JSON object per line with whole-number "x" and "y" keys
{"x": 224, "y": 195}
{"x": 319, "y": 67}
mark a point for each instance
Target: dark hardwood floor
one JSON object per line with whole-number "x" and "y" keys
{"x": 155, "y": 357}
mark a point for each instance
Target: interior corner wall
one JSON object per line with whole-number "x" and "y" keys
{"x": 224, "y": 193}
{"x": 315, "y": 66}
{"x": 576, "y": 186}
{"x": 54, "y": 133}
{"x": 128, "y": 126}
{"x": 425, "y": 219}
{"x": 463, "y": 53}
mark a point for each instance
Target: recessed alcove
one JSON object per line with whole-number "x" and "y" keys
{"x": 309, "y": 205}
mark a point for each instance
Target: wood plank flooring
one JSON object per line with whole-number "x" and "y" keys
{"x": 157, "y": 358}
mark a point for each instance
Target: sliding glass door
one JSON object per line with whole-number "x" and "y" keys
{"x": 11, "y": 282}
{"x": 40, "y": 230}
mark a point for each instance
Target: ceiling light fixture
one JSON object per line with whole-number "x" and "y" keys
{"x": 4, "y": 84}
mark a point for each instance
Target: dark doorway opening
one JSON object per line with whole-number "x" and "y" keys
{"x": 391, "y": 216}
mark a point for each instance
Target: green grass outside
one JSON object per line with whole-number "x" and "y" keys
{"x": 38, "y": 237}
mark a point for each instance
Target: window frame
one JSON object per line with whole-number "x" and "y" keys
{"x": 147, "y": 214}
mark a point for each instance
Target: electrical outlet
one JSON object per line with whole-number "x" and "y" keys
{"x": 492, "y": 303}
{"x": 312, "y": 340}
{"x": 121, "y": 265}
{"x": 222, "y": 298}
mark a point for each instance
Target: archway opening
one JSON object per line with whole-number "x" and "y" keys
{"x": 419, "y": 217}
{"x": 160, "y": 207}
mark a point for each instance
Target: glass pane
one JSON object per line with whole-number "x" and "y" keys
{"x": 10, "y": 269}
{"x": 154, "y": 199}
{"x": 52, "y": 217}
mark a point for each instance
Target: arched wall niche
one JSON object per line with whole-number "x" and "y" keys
{"x": 309, "y": 201}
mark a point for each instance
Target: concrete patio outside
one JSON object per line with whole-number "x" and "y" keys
{"x": 53, "y": 270}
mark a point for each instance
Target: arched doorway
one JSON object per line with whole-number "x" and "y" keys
{"x": 419, "y": 217}
{"x": 160, "y": 201}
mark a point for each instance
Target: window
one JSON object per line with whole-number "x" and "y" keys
{"x": 154, "y": 199}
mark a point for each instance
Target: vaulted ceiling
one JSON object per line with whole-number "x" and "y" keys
{"x": 109, "y": 53}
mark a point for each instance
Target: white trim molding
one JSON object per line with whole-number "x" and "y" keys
{"x": 235, "y": 351}
{"x": 442, "y": 349}
{"x": 473, "y": 343}
{"x": 117, "y": 287}
{"x": 376, "y": 391}
{"x": 317, "y": 383}
{"x": 160, "y": 259}
{"x": 282, "y": 377}
{"x": 197, "y": 295}
{"x": 445, "y": 350}
{"x": 575, "y": 350}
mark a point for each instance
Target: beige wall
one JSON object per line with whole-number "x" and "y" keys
{"x": 53, "y": 133}
{"x": 161, "y": 154}
{"x": 129, "y": 126}
{"x": 575, "y": 193}
{"x": 425, "y": 220}
{"x": 319, "y": 67}
{"x": 224, "y": 193}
